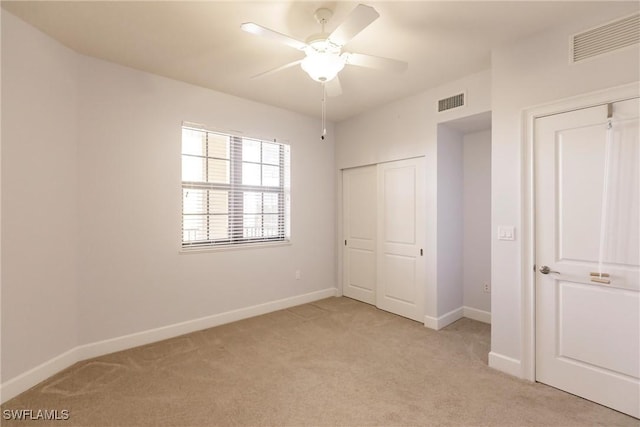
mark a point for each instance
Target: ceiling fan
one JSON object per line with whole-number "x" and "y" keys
{"x": 324, "y": 57}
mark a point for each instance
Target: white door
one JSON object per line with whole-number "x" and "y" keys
{"x": 401, "y": 229}
{"x": 359, "y": 187}
{"x": 587, "y": 254}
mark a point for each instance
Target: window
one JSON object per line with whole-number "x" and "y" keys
{"x": 235, "y": 190}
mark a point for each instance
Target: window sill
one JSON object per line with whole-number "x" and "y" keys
{"x": 244, "y": 246}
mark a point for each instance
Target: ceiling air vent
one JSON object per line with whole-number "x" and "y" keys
{"x": 606, "y": 38}
{"x": 454, "y": 101}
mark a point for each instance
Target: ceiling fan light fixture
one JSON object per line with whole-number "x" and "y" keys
{"x": 322, "y": 66}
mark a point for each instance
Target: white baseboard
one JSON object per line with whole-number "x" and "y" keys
{"x": 475, "y": 314}
{"x": 112, "y": 345}
{"x": 505, "y": 364}
{"x": 30, "y": 378}
{"x": 438, "y": 323}
{"x": 33, "y": 376}
{"x": 445, "y": 320}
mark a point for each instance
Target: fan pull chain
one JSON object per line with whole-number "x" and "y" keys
{"x": 324, "y": 111}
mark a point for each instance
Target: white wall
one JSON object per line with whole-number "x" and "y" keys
{"x": 39, "y": 204}
{"x": 477, "y": 219}
{"x": 132, "y": 276}
{"x": 96, "y": 256}
{"x": 450, "y": 220}
{"x": 408, "y": 128}
{"x": 464, "y": 219}
{"x": 525, "y": 74}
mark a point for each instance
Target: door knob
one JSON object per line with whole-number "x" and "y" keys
{"x": 546, "y": 270}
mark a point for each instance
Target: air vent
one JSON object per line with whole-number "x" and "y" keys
{"x": 606, "y": 38}
{"x": 454, "y": 101}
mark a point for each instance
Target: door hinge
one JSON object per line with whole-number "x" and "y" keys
{"x": 421, "y": 252}
{"x": 345, "y": 242}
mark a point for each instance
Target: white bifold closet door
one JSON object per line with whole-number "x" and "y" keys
{"x": 384, "y": 228}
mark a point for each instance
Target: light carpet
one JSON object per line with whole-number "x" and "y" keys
{"x": 335, "y": 362}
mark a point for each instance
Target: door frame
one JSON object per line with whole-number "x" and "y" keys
{"x": 528, "y": 250}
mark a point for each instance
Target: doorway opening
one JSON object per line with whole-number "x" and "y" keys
{"x": 464, "y": 220}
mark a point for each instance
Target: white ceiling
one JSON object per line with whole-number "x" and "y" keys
{"x": 201, "y": 42}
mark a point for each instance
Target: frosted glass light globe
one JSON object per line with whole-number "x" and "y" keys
{"x": 322, "y": 66}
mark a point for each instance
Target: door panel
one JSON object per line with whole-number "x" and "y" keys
{"x": 401, "y": 207}
{"x": 617, "y": 344}
{"x": 361, "y": 268}
{"x": 399, "y": 271}
{"x": 587, "y": 177}
{"x": 399, "y": 204}
{"x": 359, "y": 218}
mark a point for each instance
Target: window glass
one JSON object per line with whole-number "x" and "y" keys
{"x": 270, "y": 176}
{"x": 250, "y": 174}
{"x": 270, "y": 153}
{"x": 234, "y": 190}
{"x": 251, "y": 150}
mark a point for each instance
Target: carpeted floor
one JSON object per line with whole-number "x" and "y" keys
{"x": 336, "y": 362}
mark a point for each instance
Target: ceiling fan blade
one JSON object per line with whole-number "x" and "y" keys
{"x": 358, "y": 20}
{"x": 333, "y": 87}
{"x": 379, "y": 63}
{"x": 259, "y": 30}
{"x": 275, "y": 70}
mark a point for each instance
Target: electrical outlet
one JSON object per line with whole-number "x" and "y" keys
{"x": 297, "y": 274}
{"x": 486, "y": 287}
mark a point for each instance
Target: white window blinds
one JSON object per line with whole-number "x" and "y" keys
{"x": 235, "y": 190}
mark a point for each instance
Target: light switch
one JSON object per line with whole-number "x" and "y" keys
{"x": 506, "y": 232}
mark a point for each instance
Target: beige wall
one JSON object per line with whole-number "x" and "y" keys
{"x": 409, "y": 128}
{"x": 39, "y": 198}
{"x": 133, "y": 277}
{"x": 91, "y": 205}
{"x": 525, "y": 74}
{"x": 450, "y": 235}
{"x": 477, "y": 219}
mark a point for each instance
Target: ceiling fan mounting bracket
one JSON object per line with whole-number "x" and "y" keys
{"x": 323, "y": 15}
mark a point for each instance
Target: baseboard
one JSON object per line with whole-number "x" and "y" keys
{"x": 445, "y": 320}
{"x": 475, "y": 314}
{"x": 505, "y": 364}
{"x": 438, "y": 323}
{"x": 32, "y": 377}
{"x": 158, "y": 334}
{"x": 26, "y": 380}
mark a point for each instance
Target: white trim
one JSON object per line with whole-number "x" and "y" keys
{"x": 232, "y": 132}
{"x": 505, "y": 364}
{"x": 30, "y": 378}
{"x": 243, "y": 246}
{"x": 475, "y": 314}
{"x": 444, "y": 320}
{"x": 600, "y": 97}
{"x": 33, "y": 376}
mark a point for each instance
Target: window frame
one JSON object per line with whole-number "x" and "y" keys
{"x": 236, "y": 191}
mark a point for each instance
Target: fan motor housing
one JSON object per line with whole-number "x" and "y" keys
{"x": 320, "y": 43}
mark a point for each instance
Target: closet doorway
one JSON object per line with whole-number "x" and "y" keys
{"x": 464, "y": 220}
{"x": 384, "y": 229}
